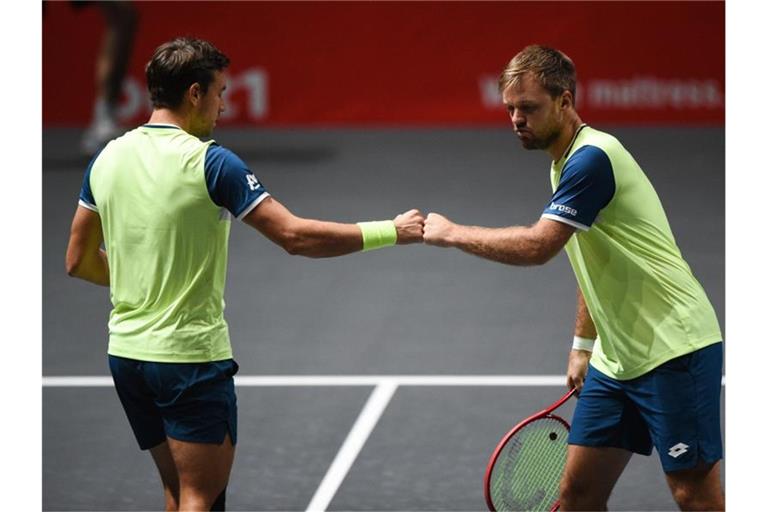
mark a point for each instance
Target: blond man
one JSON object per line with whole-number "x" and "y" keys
{"x": 647, "y": 350}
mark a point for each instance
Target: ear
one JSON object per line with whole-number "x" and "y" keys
{"x": 566, "y": 100}
{"x": 195, "y": 93}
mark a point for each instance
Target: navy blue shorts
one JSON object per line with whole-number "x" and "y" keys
{"x": 674, "y": 407}
{"x": 192, "y": 402}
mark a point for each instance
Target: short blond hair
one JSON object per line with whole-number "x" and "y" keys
{"x": 552, "y": 68}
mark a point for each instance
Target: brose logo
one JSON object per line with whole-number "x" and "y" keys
{"x": 565, "y": 209}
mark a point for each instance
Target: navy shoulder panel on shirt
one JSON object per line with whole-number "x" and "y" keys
{"x": 86, "y": 194}
{"x": 586, "y": 186}
{"x": 230, "y": 183}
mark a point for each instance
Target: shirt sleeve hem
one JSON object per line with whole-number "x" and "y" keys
{"x": 88, "y": 206}
{"x": 253, "y": 205}
{"x": 570, "y": 222}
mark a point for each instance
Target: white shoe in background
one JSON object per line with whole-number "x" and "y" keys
{"x": 98, "y": 134}
{"x": 103, "y": 128}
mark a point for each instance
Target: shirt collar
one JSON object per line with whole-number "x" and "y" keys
{"x": 570, "y": 146}
{"x": 161, "y": 125}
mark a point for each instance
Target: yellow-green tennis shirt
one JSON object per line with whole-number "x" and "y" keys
{"x": 645, "y": 302}
{"x": 165, "y": 198}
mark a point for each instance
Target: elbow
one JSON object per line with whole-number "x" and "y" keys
{"x": 542, "y": 255}
{"x": 299, "y": 239}
{"x": 292, "y": 243}
{"x": 72, "y": 264}
{"x": 72, "y": 268}
{"x": 544, "y": 258}
{"x": 292, "y": 248}
{"x": 541, "y": 247}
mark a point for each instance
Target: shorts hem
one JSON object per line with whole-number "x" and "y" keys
{"x": 230, "y": 427}
{"x": 193, "y": 439}
{"x": 148, "y": 446}
{"x": 596, "y": 444}
{"x": 692, "y": 464}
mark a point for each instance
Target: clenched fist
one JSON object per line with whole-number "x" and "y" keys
{"x": 438, "y": 230}
{"x": 578, "y": 360}
{"x": 410, "y": 227}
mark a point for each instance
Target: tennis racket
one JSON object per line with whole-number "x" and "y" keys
{"x": 525, "y": 469}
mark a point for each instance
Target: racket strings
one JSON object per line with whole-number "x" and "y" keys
{"x": 527, "y": 473}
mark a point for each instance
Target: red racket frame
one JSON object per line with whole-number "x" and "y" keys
{"x": 541, "y": 414}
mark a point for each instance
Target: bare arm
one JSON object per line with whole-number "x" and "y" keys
{"x": 515, "y": 245}
{"x": 578, "y": 360}
{"x": 585, "y": 328}
{"x": 85, "y": 258}
{"x": 322, "y": 239}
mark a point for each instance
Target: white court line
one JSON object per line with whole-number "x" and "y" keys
{"x": 352, "y": 445}
{"x": 402, "y": 380}
{"x": 386, "y": 385}
{"x": 347, "y": 380}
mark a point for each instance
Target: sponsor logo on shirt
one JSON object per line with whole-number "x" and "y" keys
{"x": 562, "y": 208}
{"x": 253, "y": 183}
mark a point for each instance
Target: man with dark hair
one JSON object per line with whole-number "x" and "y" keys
{"x": 161, "y": 201}
{"x": 644, "y": 325}
{"x": 178, "y": 63}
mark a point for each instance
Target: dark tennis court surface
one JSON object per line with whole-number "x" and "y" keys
{"x": 404, "y": 311}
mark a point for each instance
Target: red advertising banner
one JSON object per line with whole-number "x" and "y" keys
{"x": 407, "y": 63}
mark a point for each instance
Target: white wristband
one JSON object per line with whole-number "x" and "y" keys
{"x": 580, "y": 343}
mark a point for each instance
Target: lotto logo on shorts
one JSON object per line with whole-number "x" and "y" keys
{"x": 678, "y": 450}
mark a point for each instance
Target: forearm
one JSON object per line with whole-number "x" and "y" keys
{"x": 93, "y": 268}
{"x": 322, "y": 239}
{"x": 585, "y": 327}
{"x": 581, "y": 351}
{"x": 515, "y": 245}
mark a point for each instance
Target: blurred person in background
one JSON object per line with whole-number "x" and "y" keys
{"x": 121, "y": 20}
{"x": 111, "y": 66}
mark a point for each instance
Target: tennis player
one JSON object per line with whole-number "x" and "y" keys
{"x": 161, "y": 201}
{"x": 644, "y": 326}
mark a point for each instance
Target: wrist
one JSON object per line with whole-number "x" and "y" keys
{"x": 453, "y": 236}
{"x": 378, "y": 234}
{"x": 580, "y": 343}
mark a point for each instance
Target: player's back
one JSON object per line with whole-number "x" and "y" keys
{"x": 166, "y": 243}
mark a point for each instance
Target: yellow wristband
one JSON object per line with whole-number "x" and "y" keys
{"x": 378, "y": 234}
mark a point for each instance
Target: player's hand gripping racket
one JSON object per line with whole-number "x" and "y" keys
{"x": 525, "y": 469}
